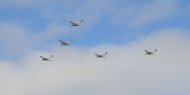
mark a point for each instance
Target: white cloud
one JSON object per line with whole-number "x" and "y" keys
{"x": 126, "y": 70}
{"x": 17, "y": 40}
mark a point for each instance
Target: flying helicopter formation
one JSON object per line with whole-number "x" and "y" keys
{"x": 64, "y": 43}
{"x": 68, "y": 43}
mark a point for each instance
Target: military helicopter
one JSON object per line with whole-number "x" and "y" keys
{"x": 46, "y": 58}
{"x": 75, "y": 24}
{"x": 101, "y": 55}
{"x": 151, "y": 52}
{"x": 63, "y": 43}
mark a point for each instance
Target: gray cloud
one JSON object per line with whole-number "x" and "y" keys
{"x": 126, "y": 70}
{"x": 13, "y": 37}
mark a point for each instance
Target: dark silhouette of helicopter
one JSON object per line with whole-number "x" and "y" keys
{"x": 46, "y": 58}
{"x": 75, "y": 24}
{"x": 101, "y": 55}
{"x": 151, "y": 52}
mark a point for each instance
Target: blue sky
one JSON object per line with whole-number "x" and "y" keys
{"x": 106, "y": 22}
{"x": 123, "y": 28}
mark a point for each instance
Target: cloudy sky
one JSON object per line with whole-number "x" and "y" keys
{"x": 124, "y": 28}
